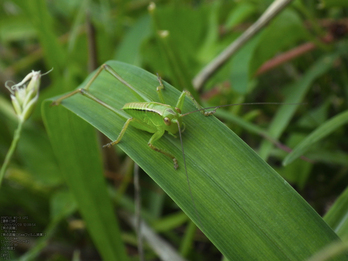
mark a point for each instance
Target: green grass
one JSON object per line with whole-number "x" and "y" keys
{"x": 78, "y": 193}
{"x": 236, "y": 193}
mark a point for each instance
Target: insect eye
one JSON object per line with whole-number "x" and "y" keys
{"x": 167, "y": 121}
{"x": 178, "y": 110}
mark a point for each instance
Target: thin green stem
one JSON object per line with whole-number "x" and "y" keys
{"x": 10, "y": 152}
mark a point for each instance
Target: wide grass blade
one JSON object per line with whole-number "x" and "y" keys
{"x": 78, "y": 154}
{"x": 244, "y": 207}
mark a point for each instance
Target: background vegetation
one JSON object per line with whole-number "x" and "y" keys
{"x": 301, "y": 56}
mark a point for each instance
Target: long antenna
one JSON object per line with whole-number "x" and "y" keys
{"x": 235, "y": 104}
{"x": 187, "y": 178}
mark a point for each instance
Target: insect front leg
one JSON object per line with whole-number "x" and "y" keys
{"x": 158, "y": 134}
{"x": 198, "y": 106}
{"x": 181, "y": 100}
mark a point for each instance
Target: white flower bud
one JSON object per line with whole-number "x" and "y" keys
{"x": 151, "y": 8}
{"x": 24, "y": 97}
{"x": 163, "y": 33}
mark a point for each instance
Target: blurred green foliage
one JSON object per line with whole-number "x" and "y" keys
{"x": 68, "y": 35}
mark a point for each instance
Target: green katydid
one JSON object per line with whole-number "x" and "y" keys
{"x": 146, "y": 115}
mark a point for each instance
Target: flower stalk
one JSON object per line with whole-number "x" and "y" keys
{"x": 24, "y": 98}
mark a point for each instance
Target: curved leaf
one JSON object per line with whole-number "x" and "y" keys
{"x": 244, "y": 207}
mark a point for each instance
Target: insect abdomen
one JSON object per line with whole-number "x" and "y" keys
{"x": 145, "y": 110}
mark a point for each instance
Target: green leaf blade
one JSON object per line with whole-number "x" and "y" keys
{"x": 244, "y": 207}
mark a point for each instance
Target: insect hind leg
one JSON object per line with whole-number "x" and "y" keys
{"x": 59, "y": 100}
{"x": 111, "y": 71}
